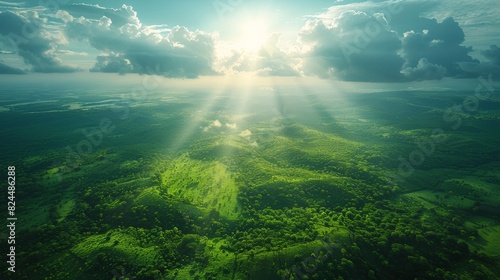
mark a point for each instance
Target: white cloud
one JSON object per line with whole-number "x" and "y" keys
{"x": 245, "y": 133}
{"x": 362, "y": 41}
{"x": 176, "y": 52}
{"x": 231, "y": 125}
{"x": 269, "y": 60}
{"x": 217, "y": 123}
{"x": 425, "y": 71}
{"x": 68, "y": 52}
{"x": 119, "y": 17}
{"x": 64, "y": 16}
{"x": 10, "y": 3}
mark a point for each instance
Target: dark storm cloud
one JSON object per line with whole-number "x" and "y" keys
{"x": 378, "y": 42}
{"x": 128, "y": 47}
{"x": 492, "y": 54}
{"x": 354, "y": 46}
{"x": 28, "y": 37}
{"x": 491, "y": 66}
{"x": 480, "y": 68}
{"x": 6, "y": 69}
{"x": 409, "y": 16}
{"x": 439, "y": 44}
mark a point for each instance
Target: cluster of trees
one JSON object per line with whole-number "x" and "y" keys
{"x": 284, "y": 214}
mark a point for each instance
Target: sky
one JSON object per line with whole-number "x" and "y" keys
{"x": 361, "y": 41}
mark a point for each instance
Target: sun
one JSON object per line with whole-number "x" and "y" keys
{"x": 253, "y": 33}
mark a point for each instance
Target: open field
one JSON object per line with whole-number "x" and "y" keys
{"x": 307, "y": 185}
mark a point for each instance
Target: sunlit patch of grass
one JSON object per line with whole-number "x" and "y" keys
{"x": 208, "y": 185}
{"x": 115, "y": 245}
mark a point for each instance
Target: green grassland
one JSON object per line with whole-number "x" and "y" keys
{"x": 172, "y": 191}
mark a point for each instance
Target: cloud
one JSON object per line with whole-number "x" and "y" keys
{"x": 425, "y": 71}
{"x": 440, "y": 44}
{"x": 112, "y": 63}
{"x": 64, "y": 16}
{"x": 274, "y": 61}
{"x": 28, "y": 36}
{"x": 231, "y": 125}
{"x": 68, "y": 52}
{"x": 118, "y": 17}
{"x": 492, "y": 54}
{"x": 478, "y": 19}
{"x": 354, "y": 46}
{"x": 245, "y": 133}
{"x": 6, "y": 69}
{"x": 384, "y": 41}
{"x": 379, "y": 41}
{"x": 491, "y": 66}
{"x": 129, "y": 47}
{"x": 269, "y": 60}
{"x": 5, "y": 4}
{"x": 217, "y": 123}
{"x": 480, "y": 68}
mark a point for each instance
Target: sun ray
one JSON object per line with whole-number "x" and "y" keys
{"x": 199, "y": 117}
